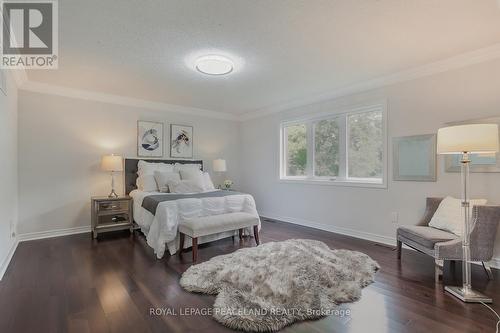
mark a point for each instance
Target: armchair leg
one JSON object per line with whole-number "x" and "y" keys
{"x": 256, "y": 234}
{"x": 438, "y": 270}
{"x": 399, "y": 249}
{"x": 487, "y": 269}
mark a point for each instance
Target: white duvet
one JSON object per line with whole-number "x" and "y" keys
{"x": 161, "y": 230}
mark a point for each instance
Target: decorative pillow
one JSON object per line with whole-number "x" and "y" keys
{"x": 179, "y": 166}
{"x": 194, "y": 175}
{"x": 162, "y": 179}
{"x": 190, "y": 174}
{"x": 208, "y": 185}
{"x": 148, "y": 168}
{"x": 147, "y": 183}
{"x": 184, "y": 186}
{"x": 448, "y": 216}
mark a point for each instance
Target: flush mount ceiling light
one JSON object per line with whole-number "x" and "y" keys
{"x": 214, "y": 65}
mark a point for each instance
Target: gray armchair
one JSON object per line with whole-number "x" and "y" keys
{"x": 443, "y": 245}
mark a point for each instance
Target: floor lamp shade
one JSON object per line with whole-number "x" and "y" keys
{"x": 474, "y": 138}
{"x": 219, "y": 165}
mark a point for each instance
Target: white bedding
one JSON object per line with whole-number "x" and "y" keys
{"x": 161, "y": 230}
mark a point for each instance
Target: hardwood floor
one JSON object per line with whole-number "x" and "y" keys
{"x": 75, "y": 284}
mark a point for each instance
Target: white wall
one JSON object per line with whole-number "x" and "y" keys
{"x": 8, "y": 167}
{"x": 62, "y": 139}
{"x": 416, "y": 107}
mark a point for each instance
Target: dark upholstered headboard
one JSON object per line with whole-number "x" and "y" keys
{"x": 131, "y": 170}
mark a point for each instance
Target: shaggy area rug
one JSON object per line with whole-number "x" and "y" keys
{"x": 267, "y": 287}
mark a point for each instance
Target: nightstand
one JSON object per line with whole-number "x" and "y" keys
{"x": 109, "y": 214}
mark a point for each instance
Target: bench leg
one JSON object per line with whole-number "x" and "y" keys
{"x": 195, "y": 249}
{"x": 399, "y": 249}
{"x": 240, "y": 232}
{"x": 181, "y": 242}
{"x": 256, "y": 234}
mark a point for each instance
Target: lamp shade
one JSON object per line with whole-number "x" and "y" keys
{"x": 219, "y": 165}
{"x": 112, "y": 163}
{"x": 474, "y": 138}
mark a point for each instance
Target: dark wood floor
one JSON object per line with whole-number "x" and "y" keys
{"x": 74, "y": 284}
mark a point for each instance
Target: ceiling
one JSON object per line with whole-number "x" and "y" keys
{"x": 284, "y": 50}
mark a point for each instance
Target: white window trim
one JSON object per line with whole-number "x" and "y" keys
{"x": 342, "y": 179}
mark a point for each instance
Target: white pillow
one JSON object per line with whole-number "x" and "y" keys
{"x": 147, "y": 183}
{"x": 190, "y": 174}
{"x": 194, "y": 175}
{"x": 179, "y": 166}
{"x": 184, "y": 186}
{"x": 208, "y": 185}
{"x": 448, "y": 216}
{"x": 162, "y": 179}
{"x": 148, "y": 168}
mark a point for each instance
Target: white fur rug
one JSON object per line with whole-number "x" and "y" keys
{"x": 267, "y": 287}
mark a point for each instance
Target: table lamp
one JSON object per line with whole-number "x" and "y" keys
{"x": 112, "y": 163}
{"x": 464, "y": 140}
{"x": 219, "y": 165}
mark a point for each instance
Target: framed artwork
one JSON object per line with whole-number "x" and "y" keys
{"x": 487, "y": 163}
{"x": 414, "y": 158}
{"x": 149, "y": 139}
{"x": 181, "y": 141}
{"x": 3, "y": 82}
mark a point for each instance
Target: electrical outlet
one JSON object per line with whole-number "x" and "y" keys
{"x": 394, "y": 217}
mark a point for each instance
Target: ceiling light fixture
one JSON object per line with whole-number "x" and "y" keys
{"x": 214, "y": 65}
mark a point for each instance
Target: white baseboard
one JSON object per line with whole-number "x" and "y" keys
{"x": 6, "y": 261}
{"x": 37, "y": 235}
{"x": 53, "y": 233}
{"x": 495, "y": 262}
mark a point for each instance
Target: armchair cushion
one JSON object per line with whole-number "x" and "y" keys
{"x": 425, "y": 236}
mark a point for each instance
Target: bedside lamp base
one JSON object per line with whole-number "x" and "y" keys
{"x": 113, "y": 194}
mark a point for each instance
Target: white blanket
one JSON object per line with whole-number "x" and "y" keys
{"x": 161, "y": 230}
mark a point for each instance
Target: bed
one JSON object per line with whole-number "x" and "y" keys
{"x": 159, "y": 214}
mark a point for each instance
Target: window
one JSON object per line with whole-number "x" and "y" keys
{"x": 296, "y": 150}
{"x": 366, "y": 148}
{"x": 326, "y": 148}
{"x": 340, "y": 148}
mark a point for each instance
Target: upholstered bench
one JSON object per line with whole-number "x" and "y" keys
{"x": 214, "y": 224}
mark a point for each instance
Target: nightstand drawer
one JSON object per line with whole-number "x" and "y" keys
{"x": 112, "y": 219}
{"x": 113, "y": 206}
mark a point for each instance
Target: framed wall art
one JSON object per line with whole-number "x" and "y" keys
{"x": 149, "y": 139}
{"x": 414, "y": 158}
{"x": 181, "y": 141}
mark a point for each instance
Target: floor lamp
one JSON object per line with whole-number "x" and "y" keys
{"x": 464, "y": 140}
